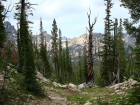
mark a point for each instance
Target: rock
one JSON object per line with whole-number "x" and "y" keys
{"x": 81, "y": 86}
{"x": 119, "y": 92}
{"x": 31, "y": 97}
{"x": 117, "y": 87}
{"x": 72, "y": 86}
{"x": 59, "y": 84}
{"x": 55, "y": 84}
{"x": 134, "y": 82}
{"x": 63, "y": 86}
{"x": 90, "y": 84}
{"x": 8, "y": 67}
{"x": 41, "y": 78}
{"x": 57, "y": 98}
{"x": 88, "y": 103}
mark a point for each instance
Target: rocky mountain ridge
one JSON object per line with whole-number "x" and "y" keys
{"x": 75, "y": 44}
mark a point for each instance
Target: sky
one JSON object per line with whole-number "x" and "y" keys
{"x": 70, "y": 15}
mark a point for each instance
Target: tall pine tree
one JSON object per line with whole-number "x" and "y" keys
{"x": 134, "y": 10}
{"x": 2, "y": 31}
{"x": 54, "y": 48}
{"x": 43, "y": 53}
{"x": 121, "y": 54}
{"x": 107, "y": 68}
{"x": 60, "y": 56}
{"x": 25, "y": 46}
{"x": 68, "y": 63}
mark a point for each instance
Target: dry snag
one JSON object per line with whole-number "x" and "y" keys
{"x": 90, "y": 73}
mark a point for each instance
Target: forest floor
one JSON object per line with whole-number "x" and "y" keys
{"x": 15, "y": 95}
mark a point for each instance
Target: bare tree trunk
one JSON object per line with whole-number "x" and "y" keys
{"x": 90, "y": 76}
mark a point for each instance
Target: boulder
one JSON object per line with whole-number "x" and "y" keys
{"x": 119, "y": 92}
{"x": 55, "y": 84}
{"x": 59, "y": 84}
{"x": 57, "y": 98}
{"x": 72, "y": 86}
{"x": 133, "y": 82}
{"x": 41, "y": 78}
{"x": 88, "y": 103}
{"x": 120, "y": 88}
{"x": 63, "y": 86}
{"x": 82, "y": 86}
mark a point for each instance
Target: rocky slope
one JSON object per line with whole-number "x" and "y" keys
{"x": 58, "y": 94}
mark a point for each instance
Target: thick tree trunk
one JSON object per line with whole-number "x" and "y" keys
{"x": 90, "y": 62}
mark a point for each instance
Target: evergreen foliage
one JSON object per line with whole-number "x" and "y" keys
{"x": 68, "y": 63}
{"x": 60, "y": 55}
{"x": 2, "y": 28}
{"x": 133, "y": 7}
{"x": 2, "y": 42}
{"x": 43, "y": 53}
{"x": 107, "y": 68}
{"x": 63, "y": 66}
{"x": 130, "y": 63}
{"x": 2, "y": 32}
{"x": 121, "y": 54}
{"x": 20, "y": 7}
{"x": 54, "y": 48}
{"x": 81, "y": 68}
{"x": 26, "y": 53}
{"x": 85, "y": 63}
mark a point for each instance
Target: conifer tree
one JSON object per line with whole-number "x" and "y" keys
{"x": 2, "y": 28}
{"x": 54, "y": 48}
{"x": 115, "y": 51}
{"x": 20, "y": 17}
{"x": 134, "y": 10}
{"x": 26, "y": 47}
{"x": 42, "y": 50}
{"x": 81, "y": 68}
{"x": 60, "y": 56}
{"x": 43, "y": 53}
{"x": 85, "y": 63}
{"x": 63, "y": 66}
{"x": 130, "y": 62}
{"x": 107, "y": 54}
{"x": 133, "y": 7}
{"x": 68, "y": 63}
{"x": 121, "y": 55}
{"x": 49, "y": 72}
{"x": 2, "y": 41}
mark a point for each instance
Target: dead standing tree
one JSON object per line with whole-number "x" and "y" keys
{"x": 90, "y": 73}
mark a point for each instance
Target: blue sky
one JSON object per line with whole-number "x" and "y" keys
{"x": 70, "y": 15}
